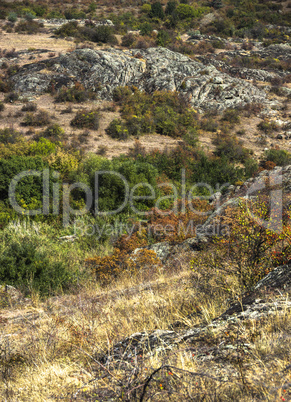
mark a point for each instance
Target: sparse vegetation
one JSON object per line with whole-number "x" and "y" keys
{"x": 127, "y": 271}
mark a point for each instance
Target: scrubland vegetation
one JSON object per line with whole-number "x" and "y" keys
{"x": 81, "y": 287}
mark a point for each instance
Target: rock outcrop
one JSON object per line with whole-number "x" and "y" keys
{"x": 253, "y": 306}
{"x": 149, "y": 70}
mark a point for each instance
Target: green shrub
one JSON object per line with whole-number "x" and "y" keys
{"x": 29, "y": 27}
{"x": 12, "y": 17}
{"x": 167, "y": 113}
{"x": 117, "y": 129}
{"x": 41, "y": 118}
{"x": 29, "y": 187}
{"x": 9, "y": 136}
{"x": 157, "y": 10}
{"x": 128, "y": 40}
{"x": 163, "y": 38}
{"x": 2, "y": 106}
{"x": 75, "y": 94}
{"x": 74, "y": 14}
{"x": 171, "y": 7}
{"x": 145, "y": 28}
{"x": 231, "y": 116}
{"x": 121, "y": 94}
{"x": 69, "y": 29}
{"x": 279, "y": 156}
{"x": 24, "y": 266}
{"x": 230, "y": 147}
{"x": 104, "y": 34}
{"x": 267, "y": 126}
{"x": 54, "y": 133}
{"x": 86, "y": 119}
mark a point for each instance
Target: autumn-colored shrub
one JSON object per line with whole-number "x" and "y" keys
{"x": 255, "y": 243}
{"x": 178, "y": 223}
{"x": 144, "y": 263}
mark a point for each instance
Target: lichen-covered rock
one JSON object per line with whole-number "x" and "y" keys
{"x": 151, "y": 69}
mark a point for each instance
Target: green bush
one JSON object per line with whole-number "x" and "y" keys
{"x": 69, "y": 29}
{"x": 145, "y": 28}
{"x": 163, "y": 38}
{"x": 12, "y": 17}
{"x": 74, "y": 14}
{"x": 9, "y": 136}
{"x": 54, "y": 133}
{"x": 157, "y": 10}
{"x": 267, "y": 126}
{"x": 230, "y": 147}
{"x": 128, "y": 40}
{"x": 75, "y": 94}
{"x": 167, "y": 113}
{"x": 231, "y": 116}
{"x": 29, "y": 27}
{"x": 104, "y": 34}
{"x": 24, "y": 266}
{"x": 2, "y": 106}
{"x": 29, "y": 187}
{"x": 86, "y": 119}
{"x": 279, "y": 156}
{"x": 117, "y": 129}
{"x": 41, "y": 118}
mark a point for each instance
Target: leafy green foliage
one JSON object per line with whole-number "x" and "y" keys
{"x": 279, "y": 156}
{"x": 23, "y": 265}
{"x": 76, "y": 94}
{"x": 29, "y": 187}
{"x": 166, "y": 113}
{"x": 9, "y": 136}
{"x": 86, "y": 119}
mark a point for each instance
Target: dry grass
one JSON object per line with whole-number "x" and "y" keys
{"x": 53, "y": 349}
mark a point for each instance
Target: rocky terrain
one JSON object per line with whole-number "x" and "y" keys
{"x": 149, "y": 70}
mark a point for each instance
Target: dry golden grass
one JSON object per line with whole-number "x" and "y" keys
{"x": 52, "y": 349}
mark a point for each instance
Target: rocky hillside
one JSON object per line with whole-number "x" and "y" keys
{"x": 151, "y": 69}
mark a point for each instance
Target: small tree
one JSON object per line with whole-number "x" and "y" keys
{"x": 157, "y": 11}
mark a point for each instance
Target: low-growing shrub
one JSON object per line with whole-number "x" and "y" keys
{"x": 2, "y": 106}
{"x": 128, "y": 40}
{"x": 9, "y": 136}
{"x": 29, "y": 27}
{"x": 117, "y": 129}
{"x": 231, "y": 116}
{"x": 267, "y": 126}
{"x": 75, "y": 94}
{"x": 230, "y": 147}
{"x": 166, "y": 113}
{"x": 29, "y": 107}
{"x": 12, "y": 17}
{"x": 41, "y": 118}
{"x": 24, "y": 266}
{"x": 278, "y": 156}
{"x": 86, "y": 119}
{"x": 11, "y": 97}
{"x": 54, "y": 132}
